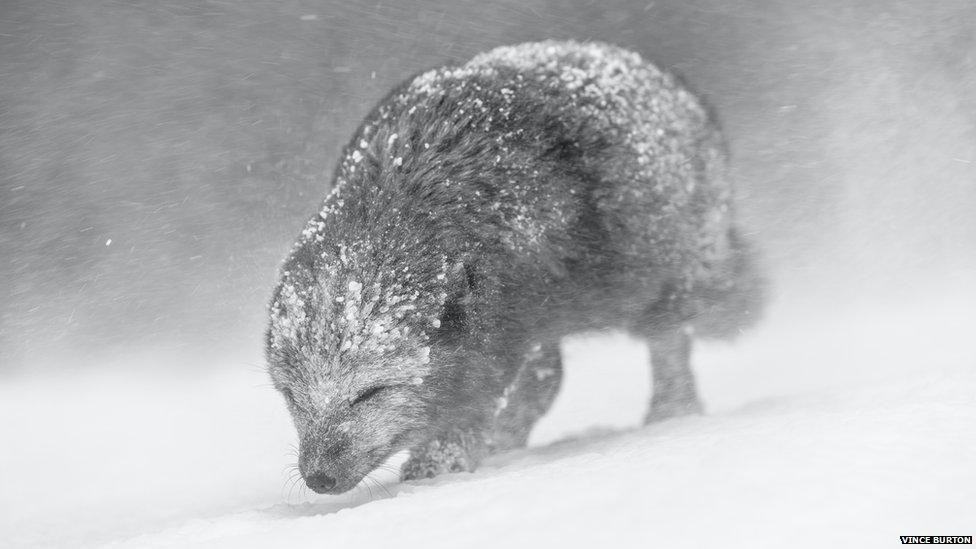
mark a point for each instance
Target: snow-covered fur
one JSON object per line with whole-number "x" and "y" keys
{"x": 479, "y": 214}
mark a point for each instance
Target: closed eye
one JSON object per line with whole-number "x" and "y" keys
{"x": 367, "y": 394}
{"x": 453, "y": 319}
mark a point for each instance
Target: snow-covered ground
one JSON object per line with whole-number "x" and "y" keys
{"x": 843, "y": 429}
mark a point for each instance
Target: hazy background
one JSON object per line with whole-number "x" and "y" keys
{"x": 158, "y": 157}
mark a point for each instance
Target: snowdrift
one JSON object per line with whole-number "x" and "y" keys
{"x": 847, "y": 430}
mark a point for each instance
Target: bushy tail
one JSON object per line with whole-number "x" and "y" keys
{"x": 735, "y": 302}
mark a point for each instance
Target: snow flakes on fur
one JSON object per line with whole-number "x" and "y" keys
{"x": 535, "y": 191}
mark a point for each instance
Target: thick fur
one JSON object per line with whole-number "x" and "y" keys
{"x": 478, "y": 215}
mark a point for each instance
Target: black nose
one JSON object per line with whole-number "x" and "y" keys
{"x": 320, "y": 482}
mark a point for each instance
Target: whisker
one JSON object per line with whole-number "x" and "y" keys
{"x": 293, "y": 450}
{"x": 291, "y": 487}
{"x": 358, "y": 489}
{"x": 292, "y": 474}
{"x": 294, "y": 478}
{"x": 296, "y": 482}
{"x": 368, "y": 489}
{"x": 379, "y": 485}
{"x": 284, "y": 489}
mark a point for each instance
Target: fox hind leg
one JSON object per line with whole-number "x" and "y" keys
{"x": 673, "y": 383}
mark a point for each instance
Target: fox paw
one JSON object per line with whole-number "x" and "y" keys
{"x": 454, "y": 455}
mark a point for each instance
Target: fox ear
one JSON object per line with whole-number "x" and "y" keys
{"x": 462, "y": 281}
